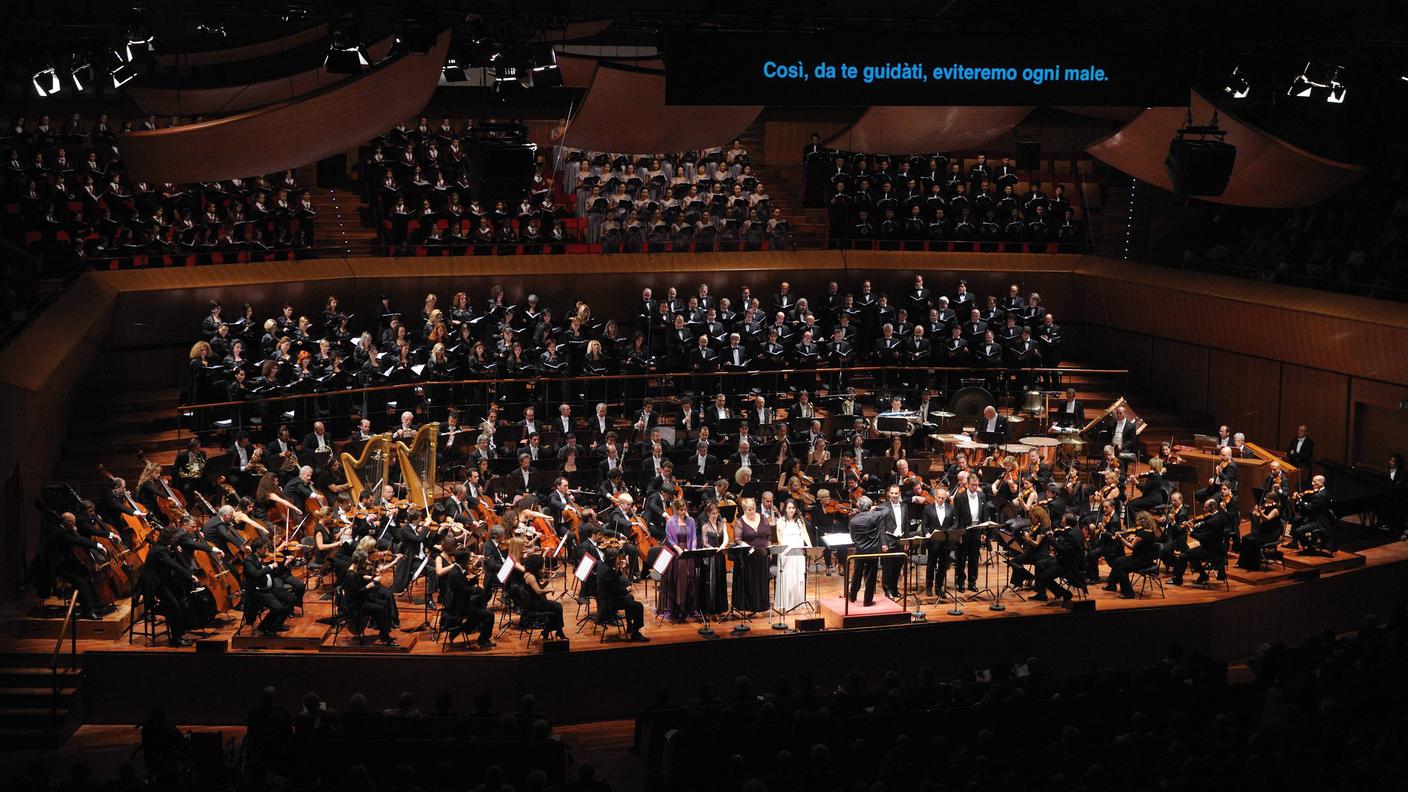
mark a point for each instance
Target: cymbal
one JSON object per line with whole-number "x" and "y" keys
{"x": 1016, "y": 419}
{"x": 1016, "y": 448}
{"x": 1037, "y": 441}
{"x": 941, "y": 414}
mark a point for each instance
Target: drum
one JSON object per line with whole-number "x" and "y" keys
{"x": 967, "y": 404}
{"x": 1046, "y": 446}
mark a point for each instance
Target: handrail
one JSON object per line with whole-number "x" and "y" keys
{"x": 54, "y": 658}
{"x": 648, "y": 375}
{"x": 846, "y": 576}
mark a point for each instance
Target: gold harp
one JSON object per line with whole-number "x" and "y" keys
{"x": 368, "y": 470}
{"x": 417, "y": 462}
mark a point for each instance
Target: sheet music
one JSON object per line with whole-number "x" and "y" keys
{"x": 585, "y": 567}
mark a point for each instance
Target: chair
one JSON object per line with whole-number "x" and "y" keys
{"x": 149, "y": 620}
{"x": 1148, "y": 579}
{"x": 602, "y": 625}
{"x": 1271, "y": 554}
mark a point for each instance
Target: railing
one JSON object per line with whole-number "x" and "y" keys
{"x": 548, "y": 392}
{"x": 879, "y": 570}
{"x": 64, "y": 629}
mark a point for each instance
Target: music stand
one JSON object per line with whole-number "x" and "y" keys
{"x": 738, "y": 551}
{"x": 987, "y": 572}
{"x": 778, "y": 551}
{"x": 700, "y": 555}
{"x": 908, "y": 543}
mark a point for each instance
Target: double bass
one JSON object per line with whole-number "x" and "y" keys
{"x": 138, "y": 524}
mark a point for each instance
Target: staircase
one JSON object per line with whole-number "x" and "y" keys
{"x": 1120, "y": 229}
{"x": 785, "y": 182}
{"x": 338, "y": 230}
{"x": 32, "y": 715}
{"x": 110, "y": 428}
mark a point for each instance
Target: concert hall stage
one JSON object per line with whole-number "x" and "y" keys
{"x": 608, "y": 679}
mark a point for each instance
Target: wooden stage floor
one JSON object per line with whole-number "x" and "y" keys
{"x": 310, "y": 633}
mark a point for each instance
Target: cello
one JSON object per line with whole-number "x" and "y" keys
{"x": 171, "y": 502}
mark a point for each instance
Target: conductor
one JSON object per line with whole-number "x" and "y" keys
{"x": 867, "y": 533}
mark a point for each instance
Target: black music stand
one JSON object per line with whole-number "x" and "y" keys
{"x": 996, "y": 597}
{"x": 699, "y": 555}
{"x": 738, "y": 551}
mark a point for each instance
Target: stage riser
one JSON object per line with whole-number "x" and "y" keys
{"x": 124, "y": 685}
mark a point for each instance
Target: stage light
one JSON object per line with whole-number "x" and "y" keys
{"x": 453, "y": 72}
{"x": 212, "y": 29}
{"x": 346, "y": 55}
{"x": 81, "y": 72}
{"x": 1318, "y": 80}
{"x": 544, "y": 57}
{"x": 1237, "y": 86}
{"x": 46, "y": 82}
{"x": 121, "y": 75}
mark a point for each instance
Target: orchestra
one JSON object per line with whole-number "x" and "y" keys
{"x": 714, "y": 495}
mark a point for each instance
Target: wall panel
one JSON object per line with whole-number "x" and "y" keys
{"x": 1242, "y": 393}
{"x": 1179, "y": 374}
{"x": 1375, "y": 433}
{"x": 1320, "y": 400}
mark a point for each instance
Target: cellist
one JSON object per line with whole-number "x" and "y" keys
{"x": 63, "y": 548}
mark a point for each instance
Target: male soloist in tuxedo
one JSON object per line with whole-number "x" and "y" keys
{"x": 970, "y": 507}
{"x": 938, "y": 516}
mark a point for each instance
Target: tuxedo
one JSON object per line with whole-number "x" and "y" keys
{"x": 997, "y": 426}
{"x": 969, "y": 509}
{"x": 1301, "y": 453}
{"x": 937, "y": 517}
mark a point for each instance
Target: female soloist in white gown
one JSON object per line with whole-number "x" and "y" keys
{"x": 791, "y": 566}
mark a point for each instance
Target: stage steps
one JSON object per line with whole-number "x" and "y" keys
{"x": 33, "y": 714}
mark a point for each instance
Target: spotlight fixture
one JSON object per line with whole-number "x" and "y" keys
{"x": 453, "y": 72}
{"x": 1319, "y": 80}
{"x": 46, "y": 81}
{"x": 1237, "y": 85}
{"x": 81, "y": 72}
{"x": 346, "y": 55}
{"x": 544, "y": 57}
{"x": 1200, "y": 160}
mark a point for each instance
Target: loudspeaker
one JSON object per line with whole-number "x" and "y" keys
{"x": 1082, "y": 605}
{"x": 810, "y": 625}
{"x": 1028, "y": 154}
{"x": 556, "y": 647}
{"x": 1302, "y": 575}
{"x": 1200, "y": 167}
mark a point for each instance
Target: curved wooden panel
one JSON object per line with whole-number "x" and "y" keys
{"x": 292, "y": 133}
{"x": 247, "y": 52}
{"x": 238, "y": 98}
{"x": 625, "y": 111}
{"x": 1268, "y": 172}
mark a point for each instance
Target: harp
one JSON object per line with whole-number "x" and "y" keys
{"x": 417, "y": 463}
{"x": 368, "y": 470}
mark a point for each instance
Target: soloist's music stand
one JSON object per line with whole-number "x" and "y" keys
{"x": 738, "y": 552}
{"x": 909, "y": 543}
{"x": 696, "y": 559}
{"x": 987, "y": 572}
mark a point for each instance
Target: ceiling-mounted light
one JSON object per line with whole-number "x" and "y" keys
{"x": 1237, "y": 85}
{"x": 1319, "y": 80}
{"x": 46, "y": 81}
{"x": 81, "y": 72}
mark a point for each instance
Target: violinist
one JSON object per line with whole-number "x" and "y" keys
{"x": 265, "y": 590}
{"x": 622, "y": 522}
{"x": 165, "y": 584}
{"x": 465, "y": 601}
{"x": 365, "y": 600}
{"x": 1102, "y": 536}
{"x": 1209, "y": 529}
{"x": 1267, "y": 527}
{"x": 1151, "y": 489}
{"x": 494, "y": 557}
{"x": 616, "y": 597}
{"x": 1033, "y": 542}
{"x": 537, "y": 600}
{"x": 1175, "y": 530}
{"x": 1224, "y": 474}
{"x": 1066, "y": 561}
{"x": 1142, "y": 542}
{"x": 410, "y": 537}
{"x": 828, "y": 516}
{"x": 299, "y": 489}
{"x": 1315, "y": 523}
{"x": 937, "y": 517}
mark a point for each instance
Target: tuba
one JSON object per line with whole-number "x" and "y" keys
{"x": 195, "y": 466}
